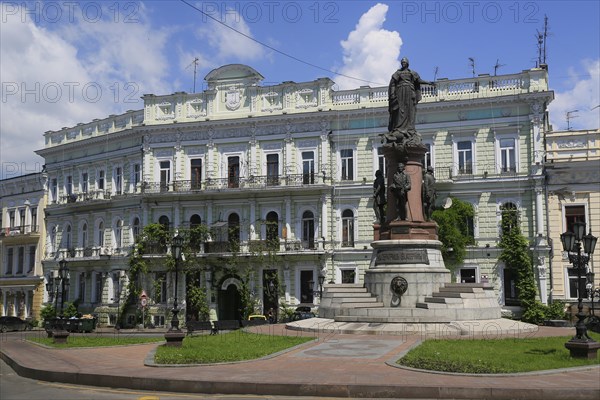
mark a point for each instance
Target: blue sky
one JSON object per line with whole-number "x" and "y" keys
{"x": 64, "y": 62}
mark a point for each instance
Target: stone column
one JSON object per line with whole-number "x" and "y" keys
{"x": 539, "y": 211}
{"x": 541, "y": 266}
{"x": 324, "y": 210}
{"x": 253, "y": 220}
{"x": 288, "y": 217}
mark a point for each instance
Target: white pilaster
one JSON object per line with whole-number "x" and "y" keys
{"x": 288, "y": 217}
{"x": 324, "y": 222}
{"x": 253, "y": 220}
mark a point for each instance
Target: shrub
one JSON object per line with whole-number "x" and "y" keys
{"x": 48, "y": 312}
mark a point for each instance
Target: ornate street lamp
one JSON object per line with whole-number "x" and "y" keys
{"x": 174, "y": 336}
{"x": 120, "y": 283}
{"x": 321, "y": 280}
{"x": 581, "y": 345}
{"x": 61, "y": 280}
{"x": 65, "y": 281}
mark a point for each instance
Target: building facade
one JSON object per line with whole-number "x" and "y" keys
{"x": 572, "y": 168}
{"x": 22, "y": 204}
{"x": 285, "y": 173}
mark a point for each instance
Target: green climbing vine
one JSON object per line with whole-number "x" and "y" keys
{"x": 516, "y": 254}
{"x": 454, "y": 231}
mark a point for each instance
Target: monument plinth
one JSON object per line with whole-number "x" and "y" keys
{"x": 407, "y": 248}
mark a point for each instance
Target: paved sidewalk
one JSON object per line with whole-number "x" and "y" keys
{"x": 337, "y": 365}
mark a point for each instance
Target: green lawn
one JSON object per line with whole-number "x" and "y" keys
{"x": 494, "y": 356}
{"x": 97, "y": 341}
{"x": 225, "y": 347}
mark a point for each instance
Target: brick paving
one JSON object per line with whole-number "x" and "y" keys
{"x": 337, "y": 365}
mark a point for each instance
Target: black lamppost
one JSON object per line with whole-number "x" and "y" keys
{"x": 321, "y": 280}
{"x": 120, "y": 283}
{"x": 63, "y": 278}
{"x": 59, "y": 333}
{"x": 581, "y": 345}
{"x": 174, "y": 336}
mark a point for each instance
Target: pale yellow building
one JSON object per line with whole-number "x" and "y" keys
{"x": 22, "y": 204}
{"x": 573, "y": 189}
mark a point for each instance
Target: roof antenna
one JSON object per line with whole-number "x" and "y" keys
{"x": 542, "y": 38}
{"x": 472, "y": 64}
{"x": 195, "y": 62}
{"x": 570, "y": 116}
{"x": 498, "y": 65}
{"x": 435, "y": 72}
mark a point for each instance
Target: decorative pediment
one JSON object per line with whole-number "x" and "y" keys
{"x": 233, "y": 73}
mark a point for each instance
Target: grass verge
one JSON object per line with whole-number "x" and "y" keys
{"x": 497, "y": 356}
{"x": 225, "y": 347}
{"x": 96, "y": 341}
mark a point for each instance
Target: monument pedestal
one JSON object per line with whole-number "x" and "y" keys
{"x": 418, "y": 262}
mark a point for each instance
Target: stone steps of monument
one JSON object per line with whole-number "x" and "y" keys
{"x": 460, "y": 295}
{"x": 392, "y": 320}
{"x": 455, "y": 289}
{"x": 464, "y": 304}
{"x": 339, "y": 297}
{"x": 360, "y": 289}
{"x": 485, "y": 286}
{"x": 444, "y": 300}
{"x": 411, "y": 315}
{"x": 350, "y": 301}
{"x": 343, "y": 285}
{"x": 361, "y": 304}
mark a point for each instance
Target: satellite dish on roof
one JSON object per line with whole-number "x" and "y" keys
{"x": 447, "y": 203}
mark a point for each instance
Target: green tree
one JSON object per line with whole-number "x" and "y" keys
{"x": 196, "y": 300}
{"x": 248, "y": 300}
{"x": 455, "y": 225}
{"x": 516, "y": 254}
{"x": 48, "y": 312}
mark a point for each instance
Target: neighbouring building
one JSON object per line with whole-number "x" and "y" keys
{"x": 282, "y": 176}
{"x": 573, "y": 177}
{"x": 22, "y": 203}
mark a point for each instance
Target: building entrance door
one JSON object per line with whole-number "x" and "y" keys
{"x": 230, "y": 303}
{"x": 511, "y": 294}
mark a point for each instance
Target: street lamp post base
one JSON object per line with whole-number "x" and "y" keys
{"x": 583, "y": 349}
{"x": 60, "y": 336}
{"x": 174, "y": 337}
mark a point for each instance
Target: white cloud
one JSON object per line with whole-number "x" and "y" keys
{"x": 583, "y": 96}
{"x": 370, "y": 51}
{"x": 230, "y": 46}
{"x": 55, "y": 63}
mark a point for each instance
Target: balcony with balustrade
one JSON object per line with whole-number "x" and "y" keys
{"x": 252, "y": 182}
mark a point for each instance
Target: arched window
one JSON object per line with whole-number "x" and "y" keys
{"x": 52, "y": 240}
{"x": 135, "y": 228}
{"x": 67, "y": 239}
{"x": 164, "y": 221}
{"x": 272, "y": 230}
{"x": 101, "y": 234}
{"x": 233, "y": 225}
{"x": 119, "y": 234}
{"x": 84, "y": 235}
{"x": 195, "y": 220}
{"x": 510, "y": 217}
{"x": 308, "y": 230}
{"x": 347, "y": 228}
